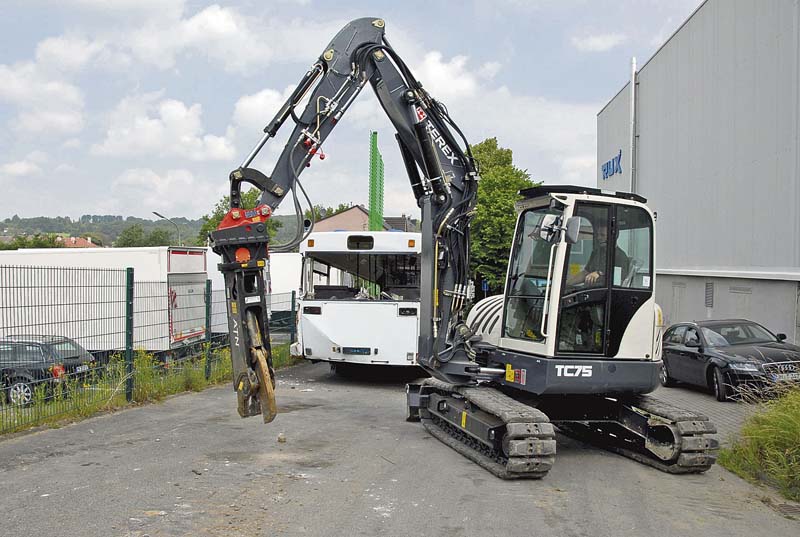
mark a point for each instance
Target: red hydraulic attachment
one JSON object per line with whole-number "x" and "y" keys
{"x": 241, "y": 239}
{"x": 245, "y": 217}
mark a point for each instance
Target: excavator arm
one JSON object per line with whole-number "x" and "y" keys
{"x": 443, "y": 177}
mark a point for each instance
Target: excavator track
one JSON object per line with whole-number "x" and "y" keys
{"x": 675, "y": 440}
{"x": 527, "y": 448}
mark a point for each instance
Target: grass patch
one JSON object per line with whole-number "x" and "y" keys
{"x": 768, "y": 446}
{"x": 281, "y": 357}
{"x": 104, "y": 389}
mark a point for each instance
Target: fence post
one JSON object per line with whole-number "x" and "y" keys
{"x": 129, "y": 334}
{"x": 208, "y": 329}
{"x": 293, "y": 320}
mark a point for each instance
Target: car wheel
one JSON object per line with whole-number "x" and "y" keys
{"x": 722, "y": 391}
{"x": 663, "y": 376}
{"x": 20, "y": 392}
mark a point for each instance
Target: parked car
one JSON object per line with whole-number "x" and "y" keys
{"x": 726, "y": 354}
{"x": 29, "y": 361}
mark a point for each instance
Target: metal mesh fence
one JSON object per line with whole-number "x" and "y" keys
{"x": 69, "y": 345}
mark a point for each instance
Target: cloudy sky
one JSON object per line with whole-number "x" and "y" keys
{"x": 130, "y": 106}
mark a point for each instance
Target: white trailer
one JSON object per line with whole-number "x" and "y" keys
{"x": 283, "y": 274}
{"x": 360, "y": 298}
{"x": 66, "y": 292}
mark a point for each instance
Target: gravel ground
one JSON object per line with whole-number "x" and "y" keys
{"x": 350, "y": 466}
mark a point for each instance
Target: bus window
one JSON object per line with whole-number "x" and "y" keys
{"x": 359, "y": 276}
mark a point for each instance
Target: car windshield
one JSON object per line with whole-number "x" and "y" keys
{"x": 67, "y": 349}
{"x": 719, "y": 335}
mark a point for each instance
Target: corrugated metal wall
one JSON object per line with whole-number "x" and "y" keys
{"x": 717, "y": 129}
{"x": 718, "y": 157}
{"x": 613, "y": 136}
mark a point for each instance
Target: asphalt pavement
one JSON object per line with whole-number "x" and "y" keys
{"x": 350, "y": 465}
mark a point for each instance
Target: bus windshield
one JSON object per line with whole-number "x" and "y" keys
{"x": 361, "y": 276}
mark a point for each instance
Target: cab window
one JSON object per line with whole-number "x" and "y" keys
{"x": 527, "y": 278}
{"x": 632, "y": 263}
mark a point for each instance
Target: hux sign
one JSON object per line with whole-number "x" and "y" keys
{"x": 613, "y": 166}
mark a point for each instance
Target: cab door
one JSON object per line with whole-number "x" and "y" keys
{"x": 583, "y": 312}
{"x": 607, "y": 279}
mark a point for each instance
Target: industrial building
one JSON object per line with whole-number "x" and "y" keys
{"x": 708, "y": 133}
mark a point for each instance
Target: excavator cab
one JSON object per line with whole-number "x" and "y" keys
{"x": 580, "y": 277}
{"x": 578, "y": 309}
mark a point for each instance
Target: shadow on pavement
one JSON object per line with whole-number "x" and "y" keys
{"x": 372, "y": 375}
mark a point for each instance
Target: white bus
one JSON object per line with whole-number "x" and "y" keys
{"x": 360, "y": 298}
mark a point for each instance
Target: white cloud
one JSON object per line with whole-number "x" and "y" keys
{"x": 37, "y": 157}
{"x": 555, "y": 141}
{"x": 46, "y": 105}
{"x": 72, "y": 143}
{"x": 131, "y": 9}
{"x": 598, "y": 42}
{"x": 176, "y": 191}
{"x": 489, "y": 70}
{"x": 20, "y": 168}
{"x": 48, "y": 121}
{"x": 253, "y": 112}
{"x": 149, "y": 125}
{"x": 67, "y": 53}
{"x": 446, "y": 79}
{"x": 236, "y": 42}
{"x": 64, "y": 169}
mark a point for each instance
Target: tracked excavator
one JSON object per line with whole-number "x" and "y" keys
{"x": 574, "y": 340}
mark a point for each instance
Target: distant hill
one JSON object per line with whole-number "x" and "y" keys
{"x": 106, "y": 228}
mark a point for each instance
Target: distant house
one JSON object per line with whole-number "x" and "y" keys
{"x": 401, "y": 223}
{"x": 77, "y": 242}
{"x": 356, "y": 218}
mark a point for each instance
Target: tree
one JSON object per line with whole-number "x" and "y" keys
{"x": 37, "y": 241}
{"x": 321, "y": 211}
{"x": 158, "y": 237}
{"x": 493, "y": 225}
{"x": 211, "y": 221}
{"x": 96, "y": 238}
{"x": 135, "y": 236}
{"x": 131, "y": 236}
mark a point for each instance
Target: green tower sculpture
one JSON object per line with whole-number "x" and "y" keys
{"x": 375, "y": 184}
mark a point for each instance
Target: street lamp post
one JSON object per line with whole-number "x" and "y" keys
{"x": 180, "y": 243}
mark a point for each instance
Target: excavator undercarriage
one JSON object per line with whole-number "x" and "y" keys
{"x": 514, "y": 438}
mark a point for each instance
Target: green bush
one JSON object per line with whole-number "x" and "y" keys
{"x": 768, "y": 446}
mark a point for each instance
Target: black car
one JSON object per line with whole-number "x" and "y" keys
{"x": 30, "y": 361}
{"x": 724, "y": 355}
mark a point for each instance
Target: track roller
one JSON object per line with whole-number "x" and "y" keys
{"x": 506, "y": 437}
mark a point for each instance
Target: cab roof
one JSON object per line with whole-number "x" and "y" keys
{"x": 546, "y": 190}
